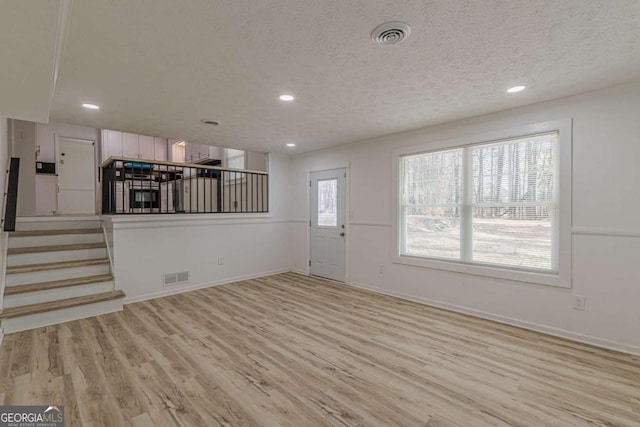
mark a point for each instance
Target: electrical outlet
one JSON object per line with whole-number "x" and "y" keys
{"x": 579, "y": 302}
{"x": 381, "y": 268}
{"x": 220, "y": 260}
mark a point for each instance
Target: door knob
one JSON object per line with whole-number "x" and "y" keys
{"x": 342, "y": 234}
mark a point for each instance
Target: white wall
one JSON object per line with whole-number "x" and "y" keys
{"x": 23, "y": 145}
{"x": 606, "y": 230}
{"x": 253, "y": 245}
{"x": 4, "y": 155}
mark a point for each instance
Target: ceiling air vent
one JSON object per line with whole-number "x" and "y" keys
{"x": 391, "y": 32}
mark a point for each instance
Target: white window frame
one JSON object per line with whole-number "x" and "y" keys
{"x": 559, "y": 278}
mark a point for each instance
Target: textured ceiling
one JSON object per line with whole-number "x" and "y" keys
{"x": 28, "y": 31}
{"x": 160, "y": 66}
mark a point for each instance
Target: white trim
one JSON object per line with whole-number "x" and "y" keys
{"x": 106, "y": 242}
{"x": 371, "y": 224}
{"x": 129, "y": 222}
{"x": 64, "y": 16}
{"x": 298, "y": 271}
{"x": 61, "y": 218}
{"x": 497, "y": 272}
{"x": 536, "y": 327}
{"x": 3, "y": 276}
{"x": 298, "y": 221}
{"x": 602, "y": 231}
{"x": 338, "y": 166}
{"x": 182, "y": 289}
{"x": 1, "y": 336}
{"x": 561, "y": 278}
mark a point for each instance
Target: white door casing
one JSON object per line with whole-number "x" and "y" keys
{"x": 76, "y": 175}
{"x": 328, "y": 216}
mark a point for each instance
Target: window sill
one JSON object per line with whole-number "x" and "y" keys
{"x": 539, "y": 278}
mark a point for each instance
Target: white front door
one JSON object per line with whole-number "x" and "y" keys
{"x": 76, "y": 176}
{"x": 328, "y": 208}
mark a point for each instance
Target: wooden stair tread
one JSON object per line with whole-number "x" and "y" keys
{"x": 26, "y": 310}
{"x": 30, "y": 233}
{"x": 55, "y": 248}
{"x": 56, "y": 265}
{"x": 42, "y": 286}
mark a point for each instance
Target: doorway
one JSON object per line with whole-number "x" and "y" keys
{"x": 76, "y": 176}
{"x": 328, "y": 233}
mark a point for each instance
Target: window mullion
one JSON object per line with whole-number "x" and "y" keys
{"x": 466, "y": 219}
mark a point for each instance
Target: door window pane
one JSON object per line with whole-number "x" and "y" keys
{"x": 328, "y": 203}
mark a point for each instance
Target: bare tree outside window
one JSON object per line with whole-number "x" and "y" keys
{"x": 328, "y": 203}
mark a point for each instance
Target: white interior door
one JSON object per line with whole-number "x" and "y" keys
{"x": 76, "y": 176}
{"x": 328, "y": 208}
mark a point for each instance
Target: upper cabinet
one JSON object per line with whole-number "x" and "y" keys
{"x": 124, "y": 144}
{"x": 111, "y": 144}
{"x": 130, "y": 145}
{"x": 160, "y": 149}
{"x": 196, "y": 153}
{"x": 146, "y": 147}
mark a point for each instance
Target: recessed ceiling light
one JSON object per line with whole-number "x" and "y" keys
{"x": 286, "y": 97}
{"x": 516, "y": 89}
{"x": 210, "y": 122}
{"x": 91, "y": 106}
{"x": 291, "y": 144}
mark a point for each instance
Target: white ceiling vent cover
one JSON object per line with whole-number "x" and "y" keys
{"x": 391, "y": 32}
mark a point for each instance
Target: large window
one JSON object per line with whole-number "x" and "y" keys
{"x": 493, "y": 205}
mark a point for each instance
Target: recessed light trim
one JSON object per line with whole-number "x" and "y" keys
{"x": 90, "y": 106}
{"x": 286, "y": 97}
{"x": 516, "y": 89}
{"x": 291, "y": 144}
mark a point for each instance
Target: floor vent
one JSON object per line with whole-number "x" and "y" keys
{"x": 170, "y": 279}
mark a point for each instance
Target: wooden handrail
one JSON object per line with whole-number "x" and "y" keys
{"x": 111, "y": 160}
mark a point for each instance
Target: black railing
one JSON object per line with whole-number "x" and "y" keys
{"x": 11, "y": 200}
{"x": 133, "y": 186}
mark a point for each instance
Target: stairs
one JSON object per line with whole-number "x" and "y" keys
{"x": 57, "y": 270}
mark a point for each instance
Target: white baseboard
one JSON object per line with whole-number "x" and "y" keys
{"x": 299, "y": 271}
{"x": 549, "y": 330}
{"x": 180, "y": 289}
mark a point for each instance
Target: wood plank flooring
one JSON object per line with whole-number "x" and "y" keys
{"x": 289, "y": 350}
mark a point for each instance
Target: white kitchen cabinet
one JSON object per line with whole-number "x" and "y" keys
{"x": 191, "y": 152}
{"x": 146, "y": 147}
{"x": 124, "y": 144}
{"x": 111, "y": 144}
{"x": 160, "y": 149}
{"x": 196, "y": 153}
{"x": 130, "y": 146}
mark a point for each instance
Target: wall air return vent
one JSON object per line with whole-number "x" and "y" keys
{"x": 170, "y": 279}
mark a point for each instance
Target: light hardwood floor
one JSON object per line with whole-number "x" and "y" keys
{"x": 289, "y": 350}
